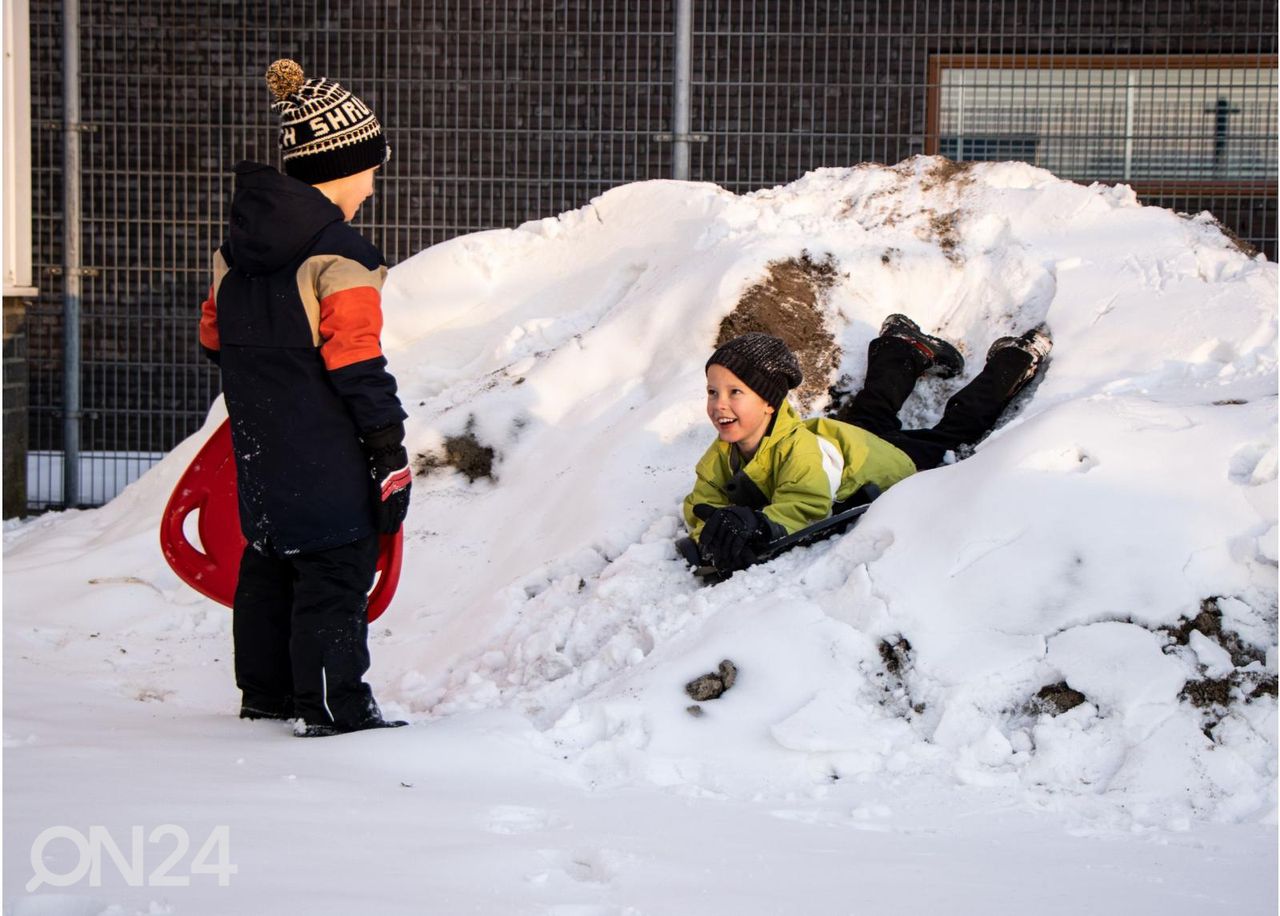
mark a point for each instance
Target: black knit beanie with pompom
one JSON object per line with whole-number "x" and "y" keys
{"x": 325, "y": 132}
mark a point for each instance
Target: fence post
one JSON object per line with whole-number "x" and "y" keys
{"x": 71, "y": 269}
{"x": 680, "y": 113}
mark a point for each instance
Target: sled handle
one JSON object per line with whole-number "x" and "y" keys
{"x": 390, "y": 559}
{"x": 178, "y": 551}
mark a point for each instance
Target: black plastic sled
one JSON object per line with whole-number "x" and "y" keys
{"x": 836, "y": 523}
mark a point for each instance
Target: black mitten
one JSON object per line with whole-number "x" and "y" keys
{"x": 731, "y": 535}
{"x": 389, "y": 471}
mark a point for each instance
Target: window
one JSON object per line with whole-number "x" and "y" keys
{"x": 1208, "y": 121}
{"x": 992, "y": 148}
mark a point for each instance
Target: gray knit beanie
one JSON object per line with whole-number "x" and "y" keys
{"x": 763, "y": 362}
{"x": 325, "y": 132}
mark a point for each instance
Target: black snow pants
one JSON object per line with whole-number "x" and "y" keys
{"x": 894, "y": 365}
{"x": 300, "y": 630}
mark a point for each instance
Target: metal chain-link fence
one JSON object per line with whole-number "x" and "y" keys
{"x": 500, "y": 111}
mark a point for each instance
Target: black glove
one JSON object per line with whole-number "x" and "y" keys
{"x": 731, "y": 535}
{"x": 389, "y": 471}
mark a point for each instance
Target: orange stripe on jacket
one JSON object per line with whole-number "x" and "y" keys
{"x": 350, "y": 326}
{"x": 209, "y": 321}
{"x": 209, "y": 308}
{"x": 324, "y": 275}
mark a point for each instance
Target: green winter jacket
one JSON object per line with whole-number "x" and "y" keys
{"x": 799, "y": 470}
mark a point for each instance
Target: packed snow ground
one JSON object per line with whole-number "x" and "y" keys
{"x": 884, "y": 748}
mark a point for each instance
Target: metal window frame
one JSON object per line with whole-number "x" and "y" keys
{"x": 1164, "y": 187}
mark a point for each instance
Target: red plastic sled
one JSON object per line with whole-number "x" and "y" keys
{"x": 208, "y": 486}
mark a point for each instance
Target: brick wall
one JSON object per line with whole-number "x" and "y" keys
{"x": 497, "y": 112}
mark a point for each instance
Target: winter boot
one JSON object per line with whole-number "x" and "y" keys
{"x": 944, "y": 359}
{"x": 304, "y": 729}
{"x": 1036, "y": 343}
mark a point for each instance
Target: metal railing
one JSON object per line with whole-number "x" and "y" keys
{"x": 500, "y": 111}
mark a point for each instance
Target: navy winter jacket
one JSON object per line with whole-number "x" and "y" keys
{"x": 293, "y": 319}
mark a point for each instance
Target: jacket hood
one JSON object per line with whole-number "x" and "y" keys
{"x": 274, "y": 218}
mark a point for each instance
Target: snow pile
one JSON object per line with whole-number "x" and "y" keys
{"x": 1085, "y": 608}
{"x": 1137, "y": 484}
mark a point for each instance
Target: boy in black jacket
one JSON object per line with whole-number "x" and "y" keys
{"x": 293, "y": 319}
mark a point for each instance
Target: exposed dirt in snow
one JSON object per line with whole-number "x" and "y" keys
{"x": 1055, "y": 699}
{"x": 944, "y": 228}
{"x": 946, "y": 171}
{"x": 464, "y": 452}
{"x": 1209, "y": 623}
{"x": 1237, "y": 243}
{"x": 895, "y": 654}
{"x": 713, "y": 686}
{"x": 788, "y": 303}
{"x": 1208, "y": 693}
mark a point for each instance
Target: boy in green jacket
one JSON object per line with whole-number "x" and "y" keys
{"x": 771, "y": 473}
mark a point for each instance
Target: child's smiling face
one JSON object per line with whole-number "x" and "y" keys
{"x": 739, "y": 415}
